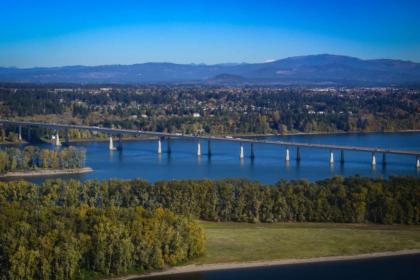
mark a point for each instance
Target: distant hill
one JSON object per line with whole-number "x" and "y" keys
{"x": 228, "y": 79}
{"x": 323, "y": 69}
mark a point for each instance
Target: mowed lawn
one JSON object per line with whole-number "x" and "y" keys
{"x": 239, "y": 242}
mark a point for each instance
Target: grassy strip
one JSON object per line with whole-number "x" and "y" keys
{"x": 241, "y": 242}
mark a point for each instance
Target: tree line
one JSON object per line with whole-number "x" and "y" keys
{"x": 54, "y": 242}
{"x": 341, "y": 200}
{"x": 31, "y": 157}
{"x": 37, "y": 135}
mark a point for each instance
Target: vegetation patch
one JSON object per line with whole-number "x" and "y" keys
{"x": 243, "y": 242}
{"x": 52, "y": 242}
{"x": 32, "y": 158}
{"x": 336, "y": 200}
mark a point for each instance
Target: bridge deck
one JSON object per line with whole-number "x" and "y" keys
{"x": 116, "y": 131}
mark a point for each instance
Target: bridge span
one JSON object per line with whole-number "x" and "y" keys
{"x": 161, "y": 136}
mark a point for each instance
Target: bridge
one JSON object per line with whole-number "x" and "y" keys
{"x": 161, "y": 136}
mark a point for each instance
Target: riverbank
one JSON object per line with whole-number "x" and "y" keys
{"x": 46, "y": 172}
{"x": 227, "y": 266}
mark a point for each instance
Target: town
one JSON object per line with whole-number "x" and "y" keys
{"x": 211, "y": 110}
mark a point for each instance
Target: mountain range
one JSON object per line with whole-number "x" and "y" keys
{"x": 323, "y": 69}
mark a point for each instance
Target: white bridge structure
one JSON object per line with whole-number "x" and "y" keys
{"x": 163, "y": 136}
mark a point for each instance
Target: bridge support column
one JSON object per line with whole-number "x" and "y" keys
{"x": 373, "y": 159}
{"x": 298, "y": 154}
{"x": 119, "y": 146}
{"x": 383, "y": 159}
{"x": 66, "y": 137}
{"x": 418, "y": 162}
{"x": 241, "y": 151}
{"x": 209, "y": 148}
{"x": 252, "y": 151}
{"x": 20, "y": 133}
{"x": 29, "y": 134}
{"x": 287, "y": 156}
{"x": 198, "y": 148}
{"x": 111, "y": 144}
{"x": 159, "y": 147}
{"x": 57, "y": 139}
{"x": 331, "y": 157}
{"x": 168, "y": 146}
{"x": 342, "y": 157}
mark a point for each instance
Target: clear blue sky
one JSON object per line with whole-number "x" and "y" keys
{"x": 90, "y": 32}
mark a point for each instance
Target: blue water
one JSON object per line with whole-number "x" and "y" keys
{"x": 384, "y": 268}
{"x": 139, "y": 159}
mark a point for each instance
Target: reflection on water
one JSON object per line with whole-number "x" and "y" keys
{"x": 384, "y": 268}
{"x": 139, "y": 159}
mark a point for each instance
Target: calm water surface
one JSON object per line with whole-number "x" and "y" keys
{"x": 384, "y": 268}
{"x": 139, "y": 159}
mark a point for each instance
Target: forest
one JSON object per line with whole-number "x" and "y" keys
{"x": 31, "y": 158}
{"x": 341, "y": 200}
{"x": 54, "y": 242}
{"x": 83, "y": 230}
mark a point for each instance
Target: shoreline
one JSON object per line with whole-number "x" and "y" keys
{"x": 252, "y": 264}
{"x": 46, "y": 172}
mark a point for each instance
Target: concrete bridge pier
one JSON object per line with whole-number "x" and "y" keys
{"x": 384, "y": 159}
{"x": 252, "y": 151}
{"x": 331, "y": 157}
{"x": 241, "y": 151}
{"x": 57, "y": 139}
{"x": 418, "y": 162}
{"x": 159, "y": 146}
{"x": 209, "y": 148}
{"x": 168, "y": 146}
{"x": 111, "y": 144}
{"x": 66, "y": 137}
{"x": 373, "y": 159}
{"x": 20, "y": 133}
{"x": 287, "y": 156}
{"x": 298, "y": 154}
{"x": 119, "y": 145}
{"x": 29, "y": 134}
{"x": 198, "y": 148}
{"x": 342, "y": 157}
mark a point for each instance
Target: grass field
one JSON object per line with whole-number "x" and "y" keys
{"x": 241, "y": 242}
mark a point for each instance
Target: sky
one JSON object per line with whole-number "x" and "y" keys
{"x": 38, "y": 33}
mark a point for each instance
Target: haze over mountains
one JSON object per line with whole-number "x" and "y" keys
{"x": 321, "y": 69}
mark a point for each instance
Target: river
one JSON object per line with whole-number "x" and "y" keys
{"x": 139, "y": 159}
{"x": 384, "y": 268}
